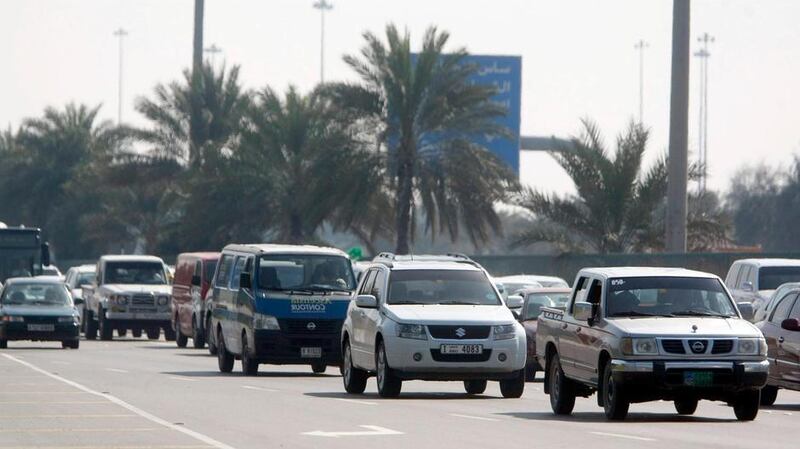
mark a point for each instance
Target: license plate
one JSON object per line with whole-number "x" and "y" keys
{"x": 310, "y": 353}
{"x": 461, "y": 349}
{"x": 698, "y": 378}
{"x": 41, "y": 327}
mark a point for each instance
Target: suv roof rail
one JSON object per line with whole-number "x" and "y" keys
{"x": 459, "y": 255}
{"x": 385, "y": 255}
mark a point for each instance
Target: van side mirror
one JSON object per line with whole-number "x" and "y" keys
{"x": 196, "y": 280}
{"x": 583, "y": 311}
{"x": 746, "y": 309}
{"x": 791, "y": 324}
{"x": 45, "y": 256}
{"x": 244, "y": 281}
{"x": 747, "y": 286}
{"x": 515, "y": 302}
{"x": 367, "y": 301}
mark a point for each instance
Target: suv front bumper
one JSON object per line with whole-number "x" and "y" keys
{"x": 672, "y": 375}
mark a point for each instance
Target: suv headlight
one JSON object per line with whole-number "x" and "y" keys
{"x": 163, "y": 300}
{"x": 67, "y": 319}
{"x": 415, "y": 331}
{"x": 639, "y": 346}
{"x": 752, "y": 346}
{"x": 13, "y": 319}
{"x": 504, "y": 332}
{"x": 118, "y": 299}
{"x": 267, "y": 322}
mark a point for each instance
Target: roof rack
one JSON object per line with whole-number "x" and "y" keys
{"x": 387, "y": 258}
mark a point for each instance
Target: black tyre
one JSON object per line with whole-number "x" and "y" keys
{"x": 224, "y": 358}
{"x": 514, "y": 387}
{"x": 319, "y": 367}
{"x": 355, "y": 380}
{"x": 249, "y": 364}
{"x": 745, "y": 405}
{"x": 562, "y": 392}
{"x": 530, "y": 373}
{"x": 171, "y": 334}
{"x": 475, "y": 386}
{"x": 3, "y": 344}
{"x": 71, "y": 344}
{"x": 122, "y": 332}
{"x": 768, "y": 395}
{"x": 389, "y": 385}
{"x": 89, "y": 326}
{"x": 198, "y": 337}
{"x": 136, "y": 332}
{"x": 686, "y": 406}
{"x": 615, "y": 404}
{"x": 153, "y": 333}
{"x": 180, "y": 339}
{"x": 211, "y": 340}
{"x": 105, "y": 327}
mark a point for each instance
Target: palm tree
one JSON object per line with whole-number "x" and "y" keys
{"x": 422, "y": 110}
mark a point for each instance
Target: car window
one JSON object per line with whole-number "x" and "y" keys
{"x": 427, "y": 287}
{"x": 198, "y": 269}
{"x": 795, "y": 313}
{"x": 580, "y": 292}
{"x": 47, "y": 295}
{"x": 367, "y": 286}
{"x": 211, "y": 266}
{"x": 770, "y": 278}
{"x": 224, "y": 271}
{"x": 534, "y": 303}
{"x": 730, "y": 280}
{"x": 744, "y": 274}
{"x": 781, "y": 311}
{"x": 378, "y": 286}
{"x": 238, "y": 267}
{"x": 148, "y": 273}
{"x": 316, "y": 272}
{"x": 667, "y": 296}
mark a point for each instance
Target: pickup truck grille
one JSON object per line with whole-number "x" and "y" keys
{"x": 143, "y": 300}
{"x": 722, "y": 346}
{"x": 673, "y": 346}
{"x": 676, "y": 346}
{"x": 460, "y": 332}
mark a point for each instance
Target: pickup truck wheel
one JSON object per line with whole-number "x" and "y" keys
{"x": 90, "y": 329}
{"x": 355, "y": 380}
{"x": 224, "y": 358}
{"x": 249, "y": 366}
{"x": 198, "y": 339}
{"x": 389, "y": 385}
{"x": 180, "y": 339}
{"x": 562, "y": 393}
{"x": 768, "y": 395}
{"x": 136, "y": 332}
{"x": 106, "y": 330}
{"x": 615, "y": 404}
{"x": 686, "y": 406}
{"x": 212, "y": 346}
{"x": 153, "y": 333}
{"x": 475, "y": 386}
{"x": 745, "y": 405}
{"x": 530, "y": 373}
{"x": 514, "y": 387}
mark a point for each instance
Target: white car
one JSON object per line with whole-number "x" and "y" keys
{"x": 518, "y": 282}
{"x": 762, "y": 311}
{"x": 755, "y": 280}
{"x": 76, "y": 278}
{"x": 431, "y": 318}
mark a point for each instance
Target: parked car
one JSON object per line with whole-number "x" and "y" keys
{"x": 431, "y": 318}
{"x": 763, "y": 311}
{"x": 52, "y": 271}
{"x": 75, "y": 279}
{"x": 38, "y": 310}
{"x": 644, "y": 334}
{"x": 754, "y": 280}
{"x": 523, "y": 280}
{"x": 193, "y": 273}
{"x": 534, "y": 300}
{"x": 280, "y": 304}
{"x": 782, "y": 331}
{"x": 128, "y": 293}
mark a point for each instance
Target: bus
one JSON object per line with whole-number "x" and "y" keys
{"x": 22, "y": 252}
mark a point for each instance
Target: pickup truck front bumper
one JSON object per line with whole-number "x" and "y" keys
{"x": 706, "y": 378}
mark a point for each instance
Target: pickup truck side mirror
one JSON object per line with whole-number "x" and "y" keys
{"x": 747, "y": 286}
{"x": 790, "y": 324}
{"x": 515, "y": 302}
{"x": 583, "y": 311}
{"x": 244, "y": 281}
{"x": 367, "y": 301}
{"x": 746, "y": 309}
{"x": 196, "y": 280}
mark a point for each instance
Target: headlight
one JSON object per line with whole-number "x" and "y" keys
{"x": 267, "y": 322}
{"x": 118, "y": 299}
{"x": 13, "y": 319}
{"x": 67, "y": 319}
{"x": 752, "y": 346}
{"x": 639, "y": 346}
{"x": 163, "y": 300}
{"x": 504, "y": 332}
{"x": 415, "y": 331}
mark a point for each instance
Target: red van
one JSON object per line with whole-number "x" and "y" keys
{"x": 193, "y": 273}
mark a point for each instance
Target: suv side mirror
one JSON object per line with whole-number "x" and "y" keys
{"x": 515, "y": 302}
{"x": 583, "y": 311}
{"x": 196, "y": 280}
{"x": 244, "y": 281}
{"x": 746, "y": 309}
{"x": 367, "y": 301}
{"x": 791, "y": 324}
{"x": 747, "y": 286}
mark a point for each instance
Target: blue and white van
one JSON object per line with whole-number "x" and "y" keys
{"x": 280, "y": 304}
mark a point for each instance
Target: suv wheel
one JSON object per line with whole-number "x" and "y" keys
{"x": 224, "y": 358}
{"x": 249, "y": 366}
{"x": 769, "y": 394}
{"x": 180, "y": 339}
{"x": 615, "y": 403}
{"x": 355, "y": 380}
{"x": 475, "y": 386}
{"x": 136, "y": 332}
{"x": 686, "y": 406}
{"x": 90, "y": 325}
{"x": 514, "y": 387}
{"x": 562, "y": 393}
{"x": 745, "y": 405}
{"x": 153, "y": 333}
{"x": 389, "y": 385}
{"x": 198, "y": 339}
{"x": 106, "y": 330}
{"x": 170, "y": 334}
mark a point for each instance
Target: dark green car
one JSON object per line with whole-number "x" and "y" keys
{"x": 38, "y": 309}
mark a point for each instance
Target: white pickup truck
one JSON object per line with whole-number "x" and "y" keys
{"x": 129, "y": 293}
{"x": 644, "y": 334}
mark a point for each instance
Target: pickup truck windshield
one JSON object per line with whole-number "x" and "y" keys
{"x": 441, "y": 287}
{"x": 309, "y": 272}
{"x": 667, "y": 296}
{"x": 770, "y": 278}
{"x": 36, "y": 295}
{"x": 147, "y": 273}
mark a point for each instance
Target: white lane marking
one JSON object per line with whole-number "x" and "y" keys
{"x": 250, "y": 387}
{"x": 115, "y": 447}
{"x": 356, "y": 401}
{"x": 619, "y": 435}
{"x": 372, "y": 431}
{"x": 481, "y": 418}
{"x": 72, "y": 429}
{"x": 116, "y": 370}
{"x": 51, "y": 402}
{"x": 787, "y": 413}
{"x": 65, "y": 416}
{"x": 40, "y": 392}
{"x": 196, "y": 435}
{"x": 185, "y": 379}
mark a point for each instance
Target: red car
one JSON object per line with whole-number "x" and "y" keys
{"x": 193, "y": 273}
{"x": 534, "y": 300}
{"x": 781, "y": 328}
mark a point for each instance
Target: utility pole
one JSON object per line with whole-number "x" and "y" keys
{"x": 195, "y": 119}
{"x": 322, "y": 6}
{"x": 120, "y": 34}
{"x": 212, "y": 50}
{"x": 640, "y": 46}
{"x": 702, "y": 119}
{"x": 678, "y": 128}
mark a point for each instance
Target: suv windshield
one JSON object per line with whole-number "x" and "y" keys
{"x": 148, "y": 273}
{"x": 305, "y": 272}
{"x": 84, "y": 279}
{"x": 667, "y": 296}
{"x": 770, "y": 278}
{"x": 441, "y": 287}
{"x": 36, "y": 295}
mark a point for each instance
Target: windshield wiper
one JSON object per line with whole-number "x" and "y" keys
{"x": 464, "y": 303}
{"x": 699, "y": 313}
{"x": 291, "y": 291}
{"x": 633, "y": 313}
{"x": 393, "y": 303}
{"x": 326, "y": 288}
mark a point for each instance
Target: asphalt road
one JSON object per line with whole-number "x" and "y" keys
{"x": 144, "y": 394}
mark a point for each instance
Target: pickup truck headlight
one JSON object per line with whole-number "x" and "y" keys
{"x": 504, "y": 332}
{"x": 163, "y": 300}
{"x": 266, "y": 322}
{"x": 68, "y": 319}
{"x": 639, "y": 346}
{"x": 13, "y": 319}
{"x": 415, "y": 331}
{"x": 118, "y": 299}
{"x": 752, "y": 346}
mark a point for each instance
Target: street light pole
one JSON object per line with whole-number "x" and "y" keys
{"x": 120, "y": 34}
{"x": 322, "y": 6}
{"x": 702, "y": 136}
{"x": 640, "y": 46}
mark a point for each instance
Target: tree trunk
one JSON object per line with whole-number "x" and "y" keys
{"x": 296, "y": 229}
{"x": 405, "y": 192}
{"x": 197, "y": 70}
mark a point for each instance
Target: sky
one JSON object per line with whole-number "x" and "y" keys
{"x": 578, "y": 61}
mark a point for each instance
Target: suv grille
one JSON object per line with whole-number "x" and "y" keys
{"x": 143, "y": 300}
{"x": 439, "y": 357}
{"x": 673, "y": 346}
{"x": 305, "y": 326}
{"x": 460, "y": 332}
{"x": 722, "y": 346}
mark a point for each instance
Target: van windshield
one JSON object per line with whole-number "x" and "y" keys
{"x": 667, "y": 296}
{"x": 441, "y": 287}
{"x": 305, "y": 272}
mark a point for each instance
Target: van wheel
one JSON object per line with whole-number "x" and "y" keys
{"x": 249, "y": 365}
{"x": 198, "y": 338}
{"x": 106, "y": 331}
{"x": 319, "y": 367}
{"x": 514, "y": 387}
{"x": 745, "y": 405}
{"x": 90, "y": 326}
{"x": 224, "y": 358}
{"x": 389, "y": 385}
{"x": 562, "y": 392}
{"x": 212, "y": 347}
{"x": 475, "y": 386}
{"x": 768, "y": 395}
{"x": 686, "y": 406}
{"x": 615, "y": 404}
{"x": 355, "y": 380}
